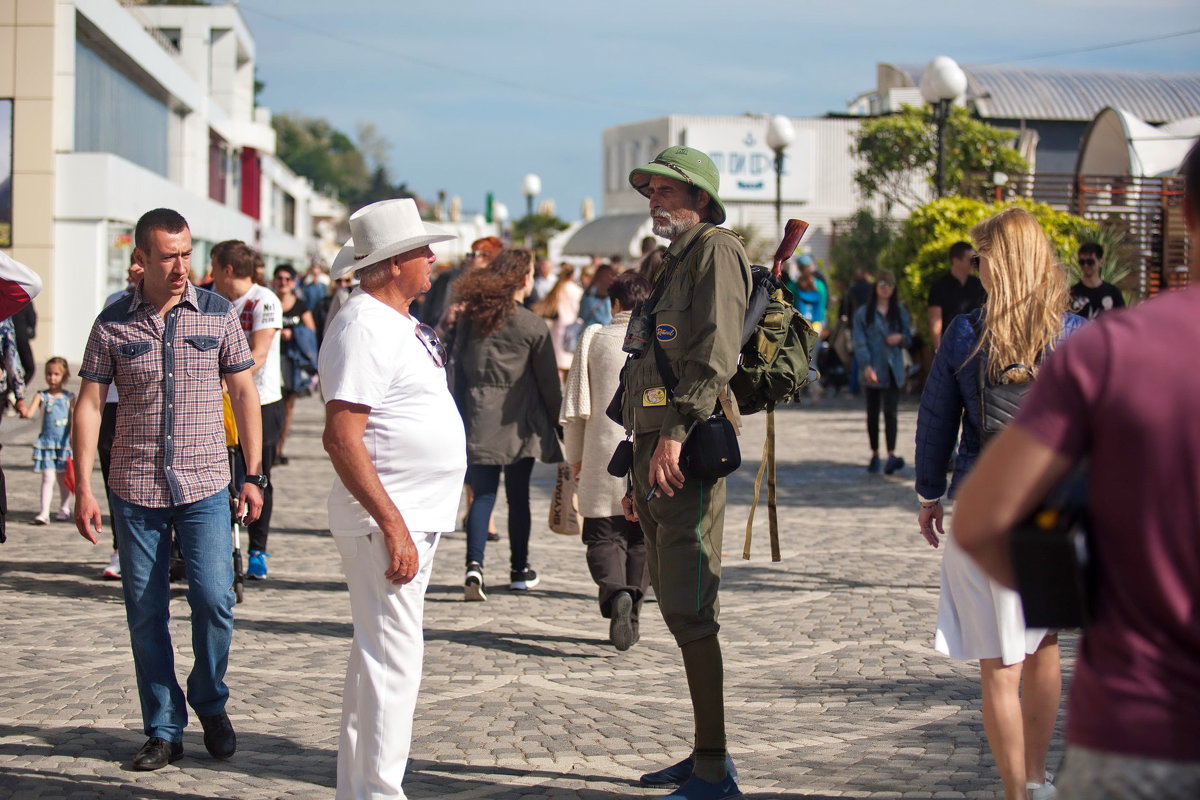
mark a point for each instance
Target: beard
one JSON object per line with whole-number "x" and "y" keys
{"x": 673, "y": 224}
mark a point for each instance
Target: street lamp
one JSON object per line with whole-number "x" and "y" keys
{"x": 531, "y": 187}
{"x": 780, "y": 134}
{"x": 500, "y": 214}
{"x": 942, "y": 83}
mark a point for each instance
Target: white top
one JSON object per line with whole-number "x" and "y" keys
{"x": 568, "y": 312}
{"x": 589, "y": 436}
{"x": 259, "y": 309}
{"x": 371, "y": 356}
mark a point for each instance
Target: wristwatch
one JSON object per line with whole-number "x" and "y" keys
{"x": 258, "y": 480}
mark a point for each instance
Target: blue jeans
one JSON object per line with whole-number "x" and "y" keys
{"x": 485, "y": 480}
{"x": 203, "y": 528}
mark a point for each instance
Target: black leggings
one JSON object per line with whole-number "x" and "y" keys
{"x": 890, "y": 395}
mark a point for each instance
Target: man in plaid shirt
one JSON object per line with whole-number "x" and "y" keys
{"x": 168, "y": 348}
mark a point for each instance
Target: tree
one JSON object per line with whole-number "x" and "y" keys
{"x": 860, "y": 245}
{"x": 334, "y": 163}
{"x": 899, "y": 154}
{"x": 538, "y": 228}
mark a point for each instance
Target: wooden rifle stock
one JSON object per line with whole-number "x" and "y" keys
{"x": 792, "y": 234}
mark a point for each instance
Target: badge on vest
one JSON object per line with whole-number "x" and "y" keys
{"x": 654, "y": 398}
{"x": 665, "y": 333}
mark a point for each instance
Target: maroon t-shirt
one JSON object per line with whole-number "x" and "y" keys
{"x": 1125, "y": 392}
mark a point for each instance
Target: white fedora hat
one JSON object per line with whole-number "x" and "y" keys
{"x": 382, "y": 230}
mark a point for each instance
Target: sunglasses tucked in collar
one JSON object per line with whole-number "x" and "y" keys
{"x": 429, "y": 338}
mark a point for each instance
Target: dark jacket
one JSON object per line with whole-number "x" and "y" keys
{"x": 952, "y": 394}
{"x": 698, "y": 324}
{"x": 507, "y": 390}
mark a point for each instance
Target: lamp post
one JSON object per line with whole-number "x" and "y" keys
{"x": 942, "y": 83}
{"x": 999, "y": 179}
{"x": 780, "y": 134}
{"x": 531, "y": 187}
{"x": 500, "y": 213}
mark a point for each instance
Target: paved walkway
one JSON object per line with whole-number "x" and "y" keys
{"x": 832, "y": 687}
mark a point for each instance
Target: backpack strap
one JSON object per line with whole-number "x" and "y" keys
{"x": 766, "y": 465}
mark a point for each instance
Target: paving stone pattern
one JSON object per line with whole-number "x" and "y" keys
{"x": 832, "y": 687}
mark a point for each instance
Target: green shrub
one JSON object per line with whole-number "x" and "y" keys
{"x": 918, "y": 252}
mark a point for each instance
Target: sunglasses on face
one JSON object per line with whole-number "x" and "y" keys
{"x": 975, "y": 261}
{"x": 1087, "y": 262}
{"x": 477, "y": 254}
{"x": 885, "y": 284}
{"x": 429, "y": 338}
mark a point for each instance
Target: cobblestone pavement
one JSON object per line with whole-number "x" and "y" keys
{"x": 832, "y": 687}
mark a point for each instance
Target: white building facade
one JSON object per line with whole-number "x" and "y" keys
{"x": 118, "y": 108}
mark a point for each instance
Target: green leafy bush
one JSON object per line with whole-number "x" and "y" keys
{"x": 917, "y": 254}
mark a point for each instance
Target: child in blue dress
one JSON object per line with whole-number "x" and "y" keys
{"x": 53, "y": 445}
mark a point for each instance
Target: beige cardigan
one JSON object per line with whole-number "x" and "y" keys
{"x": 588, "y": 435}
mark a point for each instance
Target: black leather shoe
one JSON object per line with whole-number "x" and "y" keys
{"x": 219, "y": 737}
{"x": 156, "y": 753}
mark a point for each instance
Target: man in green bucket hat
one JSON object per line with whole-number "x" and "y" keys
{"x": 693, "y": 321}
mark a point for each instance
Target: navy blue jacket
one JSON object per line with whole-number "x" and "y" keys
{"x": 951, "y": 396}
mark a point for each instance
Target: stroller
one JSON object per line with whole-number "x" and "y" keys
{"x": 178, "y": 570}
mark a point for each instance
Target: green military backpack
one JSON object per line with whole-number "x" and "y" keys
{"x": 777, "y": 347}
{"x": 776, "y": 362}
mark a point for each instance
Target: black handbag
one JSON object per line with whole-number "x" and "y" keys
{"x": 711, "y": 450}
{"x": 1053, "y": 560}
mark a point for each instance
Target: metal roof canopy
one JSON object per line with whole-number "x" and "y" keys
{"x": 1117, "y": 143}
{"x": 610, "y": 235}
{"x": 1008, "y": 92}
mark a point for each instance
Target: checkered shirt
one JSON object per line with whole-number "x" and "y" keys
{"x": 169, "y": 446}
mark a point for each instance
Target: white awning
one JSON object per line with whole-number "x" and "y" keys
{"x": 615, "y": 234}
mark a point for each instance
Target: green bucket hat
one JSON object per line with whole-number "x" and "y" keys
{"x": 685, "y": 164}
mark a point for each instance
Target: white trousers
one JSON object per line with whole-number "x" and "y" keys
{"x": 384, "y": 671}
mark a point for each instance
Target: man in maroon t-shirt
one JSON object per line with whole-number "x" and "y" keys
{"x": 1118, "y": 394}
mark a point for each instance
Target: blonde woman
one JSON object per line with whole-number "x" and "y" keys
{"x": 1023, "y": 318}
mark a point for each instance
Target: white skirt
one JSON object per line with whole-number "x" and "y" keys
{"x": 977, "y": 617}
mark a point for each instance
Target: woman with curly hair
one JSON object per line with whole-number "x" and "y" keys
{"x": 1024, "y": 318}
{"x": 505, "y": 381}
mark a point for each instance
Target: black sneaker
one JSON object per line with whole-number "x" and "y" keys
{"x": 522, "y": 579}
{"x": 893, "y": 463}
{"x": 473, "y": 585}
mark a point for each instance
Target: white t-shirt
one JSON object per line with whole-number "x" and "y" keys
{"x": 258, "y": 309}
{"x": 371, "y": 356}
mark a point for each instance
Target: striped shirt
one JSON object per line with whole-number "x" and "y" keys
{"x": 169, "y": 446}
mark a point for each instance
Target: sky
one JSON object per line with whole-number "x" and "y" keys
{"x": 473, "y": 95}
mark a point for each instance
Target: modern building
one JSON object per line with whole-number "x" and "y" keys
{"x": 113, "y": 108}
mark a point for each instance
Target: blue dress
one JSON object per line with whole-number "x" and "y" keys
{"x": 53, "y": 445}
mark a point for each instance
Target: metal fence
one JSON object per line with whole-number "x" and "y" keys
{"x": 1148, "y": 211}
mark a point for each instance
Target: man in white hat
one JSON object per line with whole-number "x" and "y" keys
{"x": 397, "y": 444}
